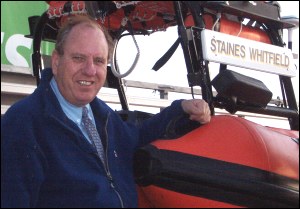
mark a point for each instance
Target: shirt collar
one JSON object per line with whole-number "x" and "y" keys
{"x": 73, "y": 112}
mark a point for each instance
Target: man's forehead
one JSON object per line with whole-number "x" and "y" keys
{"x": 85, "y": 25}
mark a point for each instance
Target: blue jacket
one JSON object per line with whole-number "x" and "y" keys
{"x": 47, "y": 162}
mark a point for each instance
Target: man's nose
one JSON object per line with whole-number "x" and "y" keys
{"x": 90, "y": 68}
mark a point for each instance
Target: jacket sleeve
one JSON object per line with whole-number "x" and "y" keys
{"x": 21, "y": 161}
{"x": 170, "y": 123}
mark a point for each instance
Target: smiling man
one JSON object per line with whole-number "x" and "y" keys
{"x": 64, "y": 147}
{"x": 79, "y": 62}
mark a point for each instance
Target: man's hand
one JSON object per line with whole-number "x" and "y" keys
{"x": 198, "y": 110}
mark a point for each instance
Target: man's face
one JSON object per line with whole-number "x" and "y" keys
{"x": 81, "y": 71}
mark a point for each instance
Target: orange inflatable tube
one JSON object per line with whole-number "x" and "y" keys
{"x": 249, "y": 164}
{"x": 233, "y": 28}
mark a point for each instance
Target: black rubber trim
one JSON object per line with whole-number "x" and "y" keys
{"x": 214, "y": 179}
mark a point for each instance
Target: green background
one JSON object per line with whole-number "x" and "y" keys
{"x": 14, "y": 20}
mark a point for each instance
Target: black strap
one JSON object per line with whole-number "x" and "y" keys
{"x": 164, "y": 59}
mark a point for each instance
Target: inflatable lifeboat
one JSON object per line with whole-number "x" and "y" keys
{"x": 230, "y": 162}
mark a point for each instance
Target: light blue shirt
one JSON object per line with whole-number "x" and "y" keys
{"x": 73, "y": 112}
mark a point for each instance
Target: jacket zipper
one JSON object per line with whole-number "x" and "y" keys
{"x": 106, "y": 166}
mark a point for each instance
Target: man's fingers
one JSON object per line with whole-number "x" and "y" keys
{"x": 197, "y": 109}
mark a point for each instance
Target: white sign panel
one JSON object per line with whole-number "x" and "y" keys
{"x": 241, "y": 52}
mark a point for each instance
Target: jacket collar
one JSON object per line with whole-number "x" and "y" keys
{"x": 53, "y": 108}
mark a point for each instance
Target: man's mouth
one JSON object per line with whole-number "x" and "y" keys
{"x": 85, "y": 83}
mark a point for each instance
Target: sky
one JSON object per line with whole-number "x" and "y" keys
{"x": 174, "y": 71}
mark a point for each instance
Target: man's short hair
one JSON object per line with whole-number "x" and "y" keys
{"x": 71, "y": 22}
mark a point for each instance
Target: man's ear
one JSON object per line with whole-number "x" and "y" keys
{"x": 54, "y": 62}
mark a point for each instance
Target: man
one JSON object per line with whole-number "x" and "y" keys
{"x": 49, "y": 158}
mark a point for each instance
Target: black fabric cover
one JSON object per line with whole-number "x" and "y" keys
{"x": 243, "y": 89}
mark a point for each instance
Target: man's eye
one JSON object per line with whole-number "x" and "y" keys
{"x": 98, "y": 61}
{"x": 78, "y": 58}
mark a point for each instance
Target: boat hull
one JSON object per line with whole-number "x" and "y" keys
{"x": 230, "y": 162}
